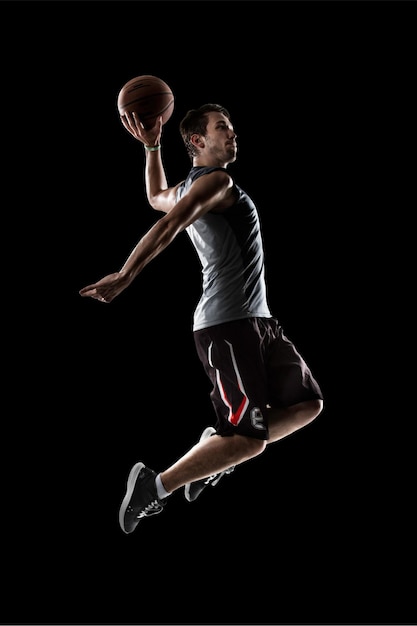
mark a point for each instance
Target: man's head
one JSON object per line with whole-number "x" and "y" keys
{"x": 195, "y": 123}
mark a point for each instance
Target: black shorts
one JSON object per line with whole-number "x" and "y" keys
{"x": 252, "y": 365}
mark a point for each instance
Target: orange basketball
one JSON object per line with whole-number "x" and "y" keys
{"x": 149, "y": 97}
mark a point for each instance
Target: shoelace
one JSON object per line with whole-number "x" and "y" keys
{"x": 216, "y": 477}
{"x": 151, "y": 509}
{"x": 210, "y": 478}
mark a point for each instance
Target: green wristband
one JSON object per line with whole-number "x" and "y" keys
{"x": 152, "y": 148}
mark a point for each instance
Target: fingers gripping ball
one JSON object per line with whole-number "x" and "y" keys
{"x": 149, "y": 97}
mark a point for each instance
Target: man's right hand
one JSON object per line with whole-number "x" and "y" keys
{"x": 149, "y": 137}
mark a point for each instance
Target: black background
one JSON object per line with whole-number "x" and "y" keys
{"x": 319, "y": 529}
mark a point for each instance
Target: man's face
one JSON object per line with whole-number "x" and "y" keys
{"x": 220, "y": 138}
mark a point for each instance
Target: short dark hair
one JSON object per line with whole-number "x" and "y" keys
{"x": 195, "y": 122}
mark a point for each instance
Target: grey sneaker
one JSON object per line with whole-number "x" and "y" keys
{"x": 141, "y": 499}
{"x": 193, "y": 490}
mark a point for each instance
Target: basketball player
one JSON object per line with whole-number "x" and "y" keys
{"x": 262, "y": 388}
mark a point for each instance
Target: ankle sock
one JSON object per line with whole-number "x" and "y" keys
{"x": 160, "y": 489}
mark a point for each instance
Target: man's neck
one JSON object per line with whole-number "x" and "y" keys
{"x": 205, "y": 162}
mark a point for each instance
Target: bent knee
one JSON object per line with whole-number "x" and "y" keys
{"x": 315, "y": 406}
{"x": 311, "y": 409}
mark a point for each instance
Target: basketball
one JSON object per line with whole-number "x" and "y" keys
{"x": 149, "y": 97}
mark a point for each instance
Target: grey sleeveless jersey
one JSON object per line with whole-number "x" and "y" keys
{"x": 230, "y": 249}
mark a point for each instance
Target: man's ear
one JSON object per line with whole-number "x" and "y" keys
{"x": 197, "y": 140}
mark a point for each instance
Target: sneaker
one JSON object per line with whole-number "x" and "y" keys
{"x": 141, "y": 499}
{"x": 193, "y": 490}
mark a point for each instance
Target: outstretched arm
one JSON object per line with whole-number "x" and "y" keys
{"x": 158, "y": 237}
{"x": 204, "y": 194}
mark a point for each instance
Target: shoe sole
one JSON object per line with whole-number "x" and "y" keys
{"x": 131, "y": 482}
{"x": 208, "y": 432}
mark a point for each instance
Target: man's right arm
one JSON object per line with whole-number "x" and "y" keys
{"x": 159, "y": 195}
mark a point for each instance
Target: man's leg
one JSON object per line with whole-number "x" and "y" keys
{"x": 284, "y": 422}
